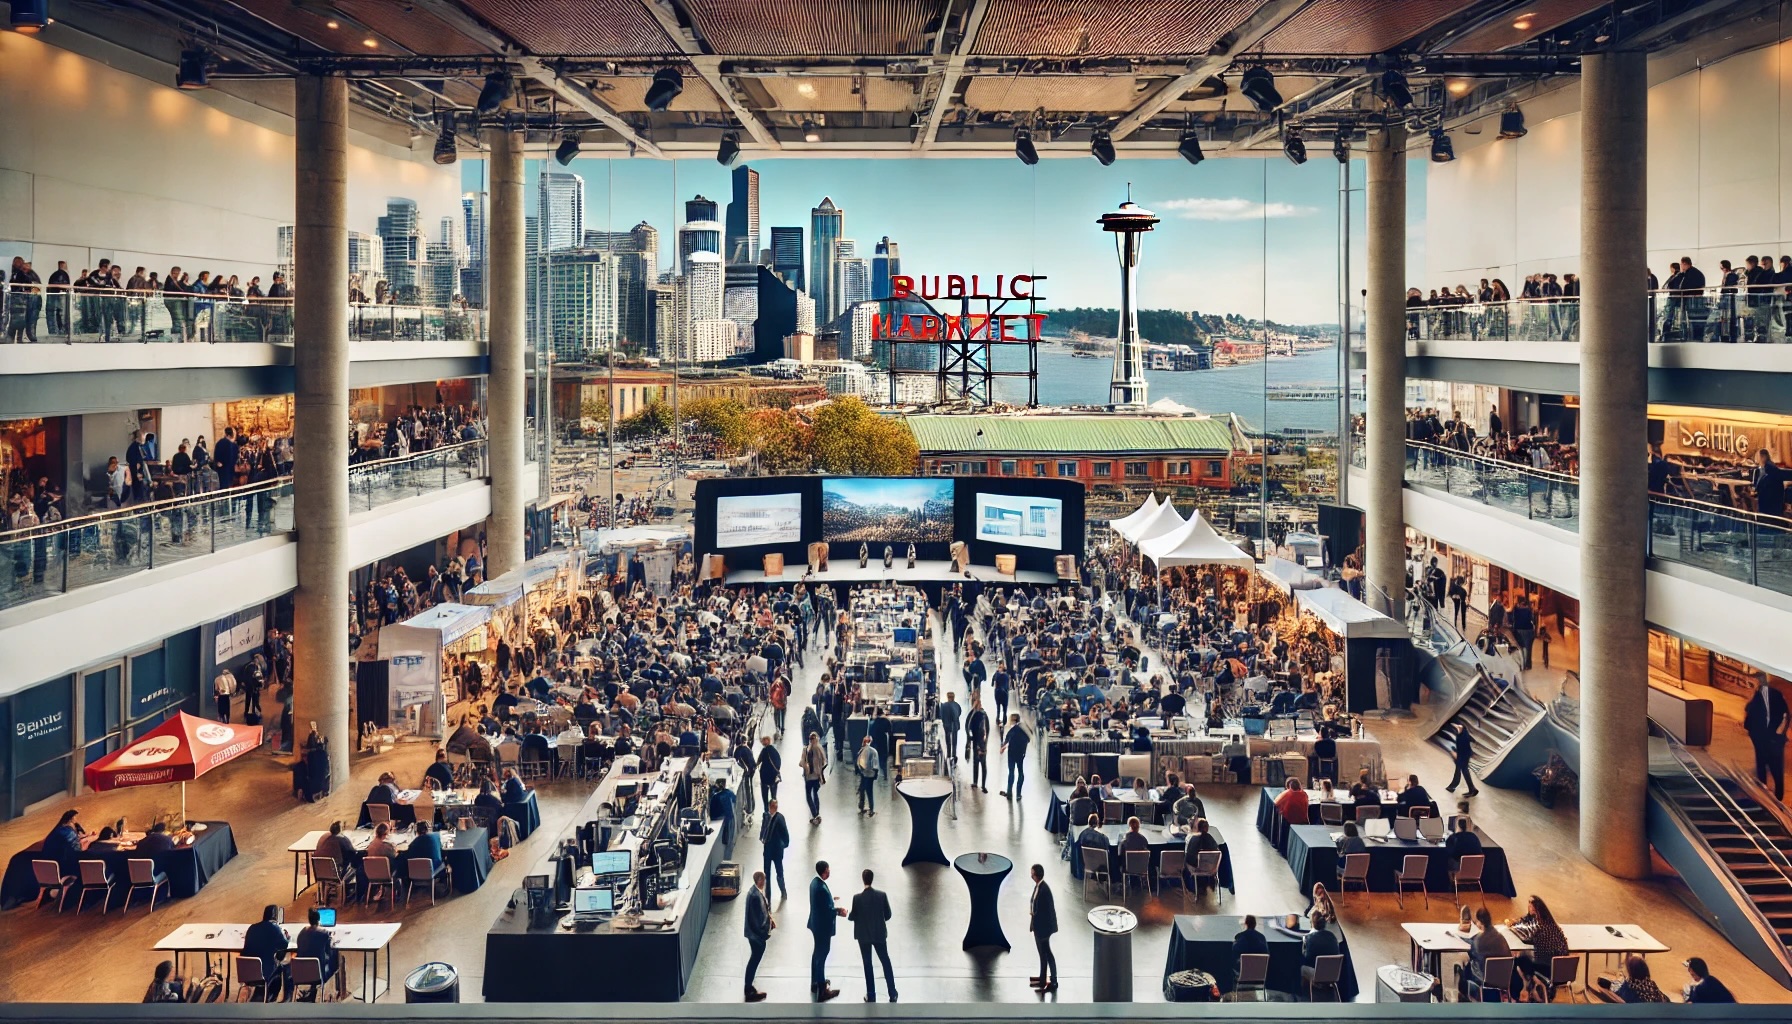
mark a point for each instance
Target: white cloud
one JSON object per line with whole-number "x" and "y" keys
{"x": 1234, "y": 208}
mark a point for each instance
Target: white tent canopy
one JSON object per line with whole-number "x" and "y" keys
{"x": 1193, "y": 543}
{"x": 1288, "y": 576}
{"x": 1138, "y": 515}
{"x": 1160, "y": 522}
{"x": 1348, "y": 617}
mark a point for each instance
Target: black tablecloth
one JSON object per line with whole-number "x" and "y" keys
{"x": 188, "y": 867}
{"x": 1205, "y": 943}
{"x": 984, "y": 875}
{"x": 1160, "y": 841}
{"x": 1275, "y": 828}
{"x": 526, "y": 813}
{"x": 1313, "y": 857}
{"x": 1057, "y": 814}
{"x": 924, "y": 819}
{"x": 469, "y": 858}
{"x": 1101, "y": 750}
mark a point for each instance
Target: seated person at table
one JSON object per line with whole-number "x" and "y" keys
{"x": 584, "y": 711}
{"x": 1093, "y": 838}
{"x": 1538, "y": 927}
{"x": 465, "y": 738}
{"x": 1250, "y": 940}
{"x": 509, "y": 747}
{"x": 385, "y": 791}
{"x": 1363, "y": 791}
{"x": 1168, "y": 795}
{"x": 1188, "y": 807}
{"x": 440, "y": 771}
{"x": 488, "y": 797}
{"x": 158, "y": 840}
{"x": 514, "y": 791}
{"x": 1097, "y": 790}
{"x": 1351, "y": 843}
{"x": 1328, "y": 794}
{"x": 1283, "y": 702}
{"x": 538, "y": 687}
{"x": 426, "y": 844}
{"x": 316, "y": 942}
{"x": 166, "y": 988}
{"x": 1309, "y": 701}
{"x": 1293, "y": 803}
{"x": 63, "y": 844}
{"x": 504, "y": 704}
{"x": 381, "y": 844}
{"x": 1460, "y": 815}
{"x": 338, "y": 848}
{"x": 488, "y": 722}
{"x": 1320, "y": 941}
{"x": 535, "y": 746}
{"x": 625, "y": 742}
{"x": 1134, "y": 839}
{"x": 1200, "y": 841}
{"x": 1140, "y": 789}
{"x": 1485, "y": 944}
{"x": 1413, "y": 795}
{"x": 1703, "y": 988}
{"x": 1078, "y": 792}
{"x": 1462, "y": 843}
{"x": 265, "y": 941}
{"x": 1637, "y": 986}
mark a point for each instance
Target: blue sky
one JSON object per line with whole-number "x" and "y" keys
{"x": 1246, "y": 236}
{"x": 908, "y": 493}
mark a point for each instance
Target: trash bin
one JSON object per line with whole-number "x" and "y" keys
{"x": 1113, "y": 953}
{"x": 432, "y": 983}
{"x": 1191, "y": 986}
{"x": 1396, "y": 984}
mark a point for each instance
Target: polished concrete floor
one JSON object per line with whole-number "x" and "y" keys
{"x": 91, "y": 957}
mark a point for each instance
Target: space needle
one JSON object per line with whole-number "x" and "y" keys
{"x": 1127, "y": 390}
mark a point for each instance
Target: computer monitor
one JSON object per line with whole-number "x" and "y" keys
{"x": 1406, "y": 828}
{"x": 326, "y": 917}
{"x": 537, "y": 882}
{"x": 593, "y": 900}
{"x": 612, "y": 862}
{"x": 904, "y": 635}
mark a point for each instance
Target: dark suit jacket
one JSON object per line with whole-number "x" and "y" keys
{"x": 870, "y": 915}
{"x": 759, "y": 914}
{"x": 821, "y": 907}
{"x": 1249, "y": 941}
{"x": 1318, "y": 943}
{"x": 775, "y": 834}
{"x": 1760, "y": 722}
{"x": 1045, "y": 911}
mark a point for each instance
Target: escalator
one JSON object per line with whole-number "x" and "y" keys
{"x": 1719, "y": 830}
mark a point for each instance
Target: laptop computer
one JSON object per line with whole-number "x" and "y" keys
{"x": 1432, "y": 828}
{"x": 593, "y": 903}
{"x": 1376, "y": 828}
{"x": 1406, "y": 828}
{"x": 326, "y": 917}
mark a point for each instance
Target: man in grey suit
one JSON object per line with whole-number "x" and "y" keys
{"x": 870, "y": 917}
{"x": 759, "y": 929}
{"x": 950, "y": 715}
{"x": 1042, "y": 921}
{"x": 774, "y": 834}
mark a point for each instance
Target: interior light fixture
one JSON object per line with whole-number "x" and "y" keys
{"x": 1293, "y": 148}
{"x": 1024, "y": 149}
{"x": 1259, "y": 86}
{"x": 1457, "y": 86}
{"x": 1190, "y": 147}
{"x": 495, "y": 92}
{"x": 1512, "y": 124}
{"x": 333, "y": 23}
{"x": 1101, "y": 147}
{"x": 667, "y": 84}
{"x": 1524, "y": 21}
{"x": 191, "y": 72}
{"x": 811, "y": 131}
{"x": 30, "y": 16}
{"x": 371, "y": 43}
{"x": 1442, "y": 150}
{"x": 1394, "y": 87}
{"x": 729, "y": 151}
{"x": 446, "y": 151}
{"x": 568, "y": 150}
{"x": 1341, "y": 146}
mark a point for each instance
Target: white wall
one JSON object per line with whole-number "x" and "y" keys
{"x": 99, "y": 163}
{"x": 1719, "y": 179}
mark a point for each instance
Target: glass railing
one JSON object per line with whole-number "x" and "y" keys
{"x": 1556, "y": 319}
{"x": 1519, "y": 489}
{"x": 1720, "y": 315}
{"x": 34, "y": 313}
{"x": 41, "y": 561}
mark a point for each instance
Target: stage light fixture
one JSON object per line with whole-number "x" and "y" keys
{"x": 1101, "y": 147}
{"x": 495, "y": 92}
{"x": 667, "y": 84}
{"x": 1293, "y": 148}
{"x": 1442, "y": 149}
{"x": 1512, "y": 124}
{"x": 1259, "y": 86}
{"x": 1023, "y": 147}
{"x": 568, "y": 150}
{"x": 1394, "y": 87}
{"x": 30, "y": 16}
{"x": 446, "y": 150}
{"x": 1341, "y": 146}
{"x": 191, "y": 73}
{"x": 729, "y": 150}
{"x": 1190, "y": 147}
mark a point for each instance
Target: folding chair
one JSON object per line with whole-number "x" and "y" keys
{"x": 1412, "y": 872}
{"x": 1172, "y": 866}
{"x": 1331, "y": 814}
{"x": 95, "y": 879}
{"x": 329, "y": 877}
{"x": 1207, "y": 866}
{"x": 308, "y": 972}
{"x": 251, "y": 980}
{"x": 1253, "y": 975}
{"x": 1564, "y": 971}
{"x": 1095, "y": 863}
{"x": 1355, "y": 869}
{"x": 1496, "y": 980}
{"x": 1325, "y": 973}
{"x": 50, "y": 879}
{"x": 1137, "y": 865}
{"x": 421, "y": 870}
{"x": 1113, "y": 812}
{"x": 1468, "y": 872}
{"x": 1366, "y": 813}
{"x": 145, "y": 875}
{"x": 376, "y": 876}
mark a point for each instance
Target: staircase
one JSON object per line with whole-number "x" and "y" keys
{"x": 1500, "y": 715}
{"x": 1732, "y": 850}
{"x": 1495, "y": 717}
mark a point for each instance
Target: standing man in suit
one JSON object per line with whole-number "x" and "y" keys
{"x": 950, "y": 713}
{"x": 879, "y": 732}
{"x": 759, "y": 929}
{"x": 774, "y": 836}
{"x": 1042, "y": 921}
{"x": 976, "y": 744}
{"x": 1765, "y": 721}
{"x": 1465, "y": 753}
{"x": 870, "y": 919}
{"x": 822, "y": 911}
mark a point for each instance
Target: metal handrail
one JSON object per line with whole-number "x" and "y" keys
{"x": 1701, "y": 776}
{"x": 1457, "y": 453}
{"x": 373, "y": 464}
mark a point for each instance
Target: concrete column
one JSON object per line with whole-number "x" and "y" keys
{"x": 1614, "y": 499}
{"x": 1384, "y": 520}
{"x": 506, "y": 385}
{"x": 320, "y": 419}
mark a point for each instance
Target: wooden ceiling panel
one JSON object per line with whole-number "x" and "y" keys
{"x": 1107, "y": 28}
{"x": 577, "y": 28}
{"x": 1525, "y": 24}
{"x": 777, "y": 28}
{"x": 1358, "y": 27}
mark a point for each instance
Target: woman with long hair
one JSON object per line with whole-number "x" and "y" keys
{"x": 814, "y": 764}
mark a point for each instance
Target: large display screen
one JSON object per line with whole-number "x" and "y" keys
{"x": 1020, "y": 520}
{"x": 887, "y": 510}
{"x": 746, "y": 520}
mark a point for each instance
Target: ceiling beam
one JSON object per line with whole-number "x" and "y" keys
{"x": 451, "y": 13}
{"x": 954, "y": 70}
{"x": 1327, "y": 96}
{"x": 709, "y": 68}
{"x": 1266, "y": 19}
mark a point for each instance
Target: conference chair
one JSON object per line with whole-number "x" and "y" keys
{"x": 423, "y": 871}
{"x": 1079, "y": 812}
{"x": 1355, "y": 869}
{"x": 95, "y": 880}
{"x": 307, "y": 972}
{"x": 532, "y": 767}
{"x": 145, "y": 875}
{"x": 1331, "y": 814}
{"x": 1496, "y": 981}
{"x": 1253, "y": 976}
{"x": 376, "y": 877}
{"x": 1207, "y": 865}
{"x": 332, "y": 880}
{"x": 1468, "y": 873}
{"x": 50, "y": 880}
{"x": 1113, "y": 812}
{"x": 1564, "y": 971}
{"x": 252, "y": 981}
{"x": 1137, "y": 865}
{"x": 379, "y": 813}
{"x": 1412, "y": 873}
{"x": 1172, "y": 866}
{"x": 1366, "y": 813}
{"x": 1417, "y": 811}
{"x": 1325, "y": 973}
{"x": 1095, "y": 864}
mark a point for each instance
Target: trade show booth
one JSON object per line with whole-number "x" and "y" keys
{"x": 1367, "y": 635}
{"x": 426, "y": 655}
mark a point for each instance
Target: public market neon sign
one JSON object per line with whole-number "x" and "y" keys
{"x": 967, "y": 327}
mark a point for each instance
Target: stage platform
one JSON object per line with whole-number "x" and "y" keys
{"x": 848, "y": 571}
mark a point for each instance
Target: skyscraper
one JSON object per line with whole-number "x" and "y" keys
{"x": 662, "y": 322}
{"x": 787, "y": 255}
{"x": 852, "y": 275}
{"x": 697, "y": 294}
{"x": 697, "y": 236}
{"x": 402, "y": 245}
{"x": 743, "y": 218}
{"x": 366, "y": 256}
{"x": 472, "y": 208}
{"x": 635, "y": 251}
{"x": 777, "y": 305}
{"x": 440, "y": 279}
{"x": 582, "y": 302}
{"x": 886, "y": 262}
{"x": 826, "y": 224}
{"x": 560, "y": 207}
{"x": 700, "y": 207}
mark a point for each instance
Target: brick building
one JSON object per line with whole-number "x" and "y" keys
{"x": 1106, "y": 450}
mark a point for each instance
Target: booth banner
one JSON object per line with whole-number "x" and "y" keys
{"x": 413, "y": 679}
{"x": 237, "y": 635}
{"x": 657, "y": 567}
{"x": 42, "y": 724}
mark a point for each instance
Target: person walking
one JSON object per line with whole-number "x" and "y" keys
{"x": 1042, "y": 921}
{"x": 867, "y": 765}
{"x": 950, "y": 713}
{"x": 771, "y": 767}
{"x": 759, "y": 929}
{"x": 223, "y": 688}
{"x": 1014, "y": 743}
{"x": 1765, "y": 722}
{"x": 815, "y": 775}
{"x": 1465, "y": 754}
{"x": 823, "y": 909}
{"x": 976, "y": 731}
{"x": 870, "y": 917}
{"x": 774, "y": 839}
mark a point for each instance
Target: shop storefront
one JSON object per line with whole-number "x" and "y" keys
{"x": 1678, "y": 663}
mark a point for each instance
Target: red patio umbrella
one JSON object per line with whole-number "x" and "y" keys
{"x": 182, "y": 748}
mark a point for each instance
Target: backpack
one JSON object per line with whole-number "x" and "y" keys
{"x": 209, "y": 989}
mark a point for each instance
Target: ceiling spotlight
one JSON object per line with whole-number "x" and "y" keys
{"x": 1023, "y": 147}
{"x": 1190, "y": 147}
{"x": 667, "y": 84}
{"x": 446, "y": 151}
{"x": 332, "y": 23}
{"x": 1524, "y": 21}
{"x": 30, "y": 16}
{"x": 495, "y": 92}
{"x": 729, "y": 150}
{"x": 371, "y": 43}
{"x": 191, "y": 72}
{"x": 1259, "y": 86}
{"x": 1294, "y": 148}
{"x": 1341, "y": 146}
{"x": 1512, "y": 124}
{"x": 1442, "y": 151}
{"x": 1101, "y": 147}
{"x": 1457, "y": 86}
{"x": 568, "y": 149}
{"x": 811, "y": 131}
{"x": 1394, "y": 87}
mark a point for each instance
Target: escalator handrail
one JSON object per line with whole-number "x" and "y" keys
{"x": 1700, "y": 775}
{"x": 1474, "y": 653}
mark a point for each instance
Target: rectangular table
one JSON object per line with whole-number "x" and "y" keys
{"x": 1313, "y": 857}
{"x": 366, "y": 939}
{"x": 1431, "y": 942}
{"x": 1160, "y": 839}
{"x": 1205, "y": 943}
{"x": 467, "y": 852}
{"x": 1275, "y": 827}
{"x": 188, "y": 867}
